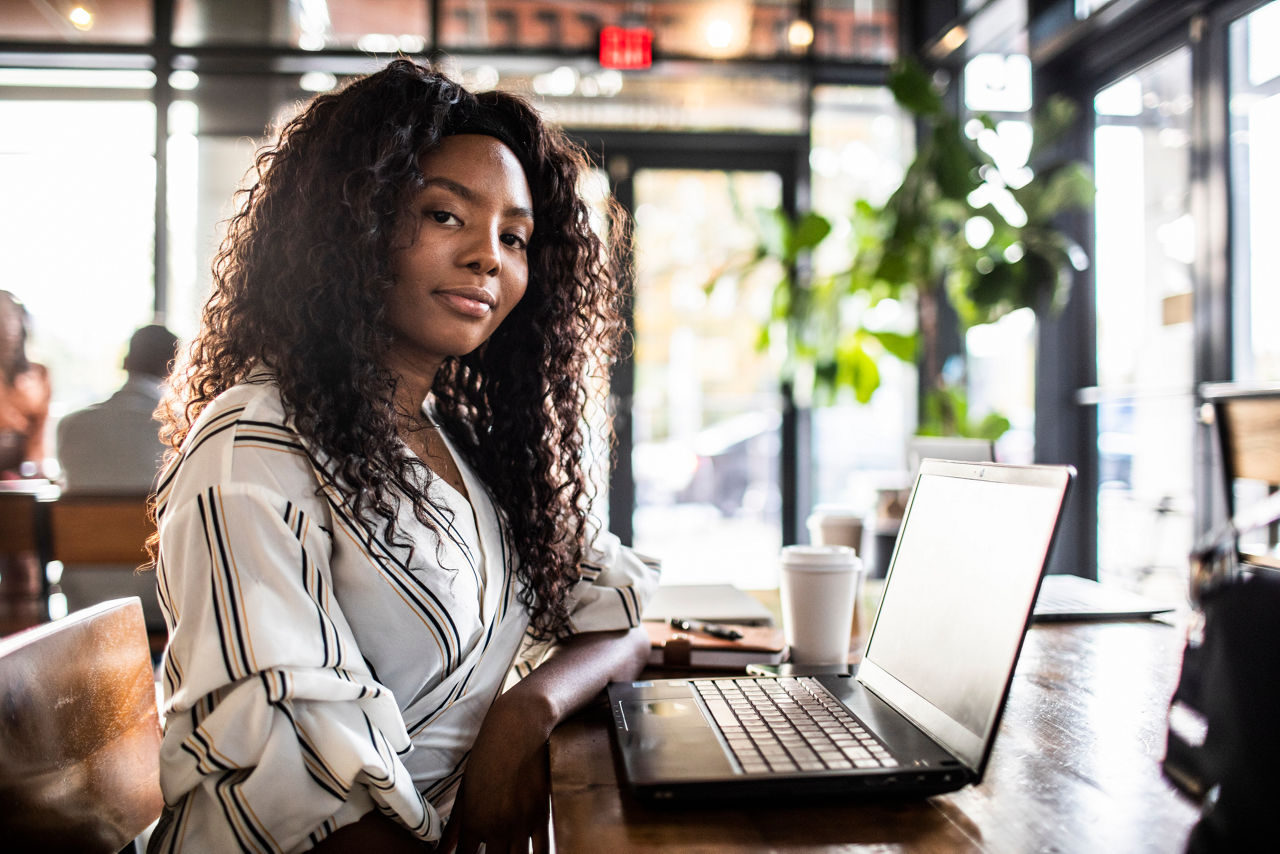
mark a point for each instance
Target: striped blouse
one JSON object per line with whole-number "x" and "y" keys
{"x": 316, "y": 671}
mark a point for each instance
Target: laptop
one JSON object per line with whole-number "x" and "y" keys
{"x": 1065, "y": 598}
{"x": 922, "y": 711}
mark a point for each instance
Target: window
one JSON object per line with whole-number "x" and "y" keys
{"x": 77, "y": 230}
{"x": 1143, "y": 260}
{"x": 1254, "y": 116}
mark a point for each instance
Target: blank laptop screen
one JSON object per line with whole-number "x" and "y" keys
{"x": 961, "y": 585}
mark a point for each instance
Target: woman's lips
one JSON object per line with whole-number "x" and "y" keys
{"x": 472, "y": 302}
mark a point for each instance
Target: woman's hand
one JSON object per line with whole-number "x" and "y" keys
{"x": 504, "y": 799}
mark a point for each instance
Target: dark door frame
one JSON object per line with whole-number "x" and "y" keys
{"x": 620, "y": 155}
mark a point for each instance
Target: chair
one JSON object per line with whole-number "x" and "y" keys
{"x": 101, "y": 542}
{"x": 22, "y": 588}
{"x": 1247, "y": 419}
{"x": 100, "y": 529}
{"x": 79, "y": 733}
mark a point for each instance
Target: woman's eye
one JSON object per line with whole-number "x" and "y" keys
{"x": 515, "y": 241}
{"x": 442, "y": 217}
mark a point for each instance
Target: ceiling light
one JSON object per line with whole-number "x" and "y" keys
{"x": 950, "y": 41}
{"x": 800, "y": 34}
{"x": 317, "y": 81}
{"x": 80, "y": 18}
{"x": 719, "y": 33}
{"x": 184, "y": 79}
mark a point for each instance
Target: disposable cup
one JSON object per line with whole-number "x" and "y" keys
{"x": 818, "y": 587}
{"x": 835, "y": 526}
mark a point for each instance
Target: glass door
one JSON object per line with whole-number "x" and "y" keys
{"x": 1144, "y": 397}
{"x": 705, "y": 414}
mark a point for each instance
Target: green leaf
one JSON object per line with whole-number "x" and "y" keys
{"x": 896, "y": 344}
{"x": 913, "y": 89}
{"x": 992, "y": 427}
{"x": 810, "y": 231}
{"x": 856, "y": 369}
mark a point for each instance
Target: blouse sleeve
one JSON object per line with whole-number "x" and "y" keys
{"x": 615, "y": 585}
{"x": 613, "y": 588}
{"x": 276, "y": 733}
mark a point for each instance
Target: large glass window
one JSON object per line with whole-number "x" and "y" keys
{"x": 1255, "y": 175}
{"x": 77, "y": 232}
{"x": 1143, "y": 260}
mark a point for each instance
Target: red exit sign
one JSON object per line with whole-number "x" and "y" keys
{"x": 626, "y": 47}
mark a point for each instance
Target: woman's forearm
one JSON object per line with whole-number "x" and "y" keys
{"x": 576, "y": 670}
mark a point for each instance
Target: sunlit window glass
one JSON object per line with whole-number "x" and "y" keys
{"x": 1255, "y": 175}
{"x": 1000, "y": 357}
{"x": 861, "y": 145}
{"x": 76, "y": 235}
{"x": 705, "y": 416}
{"x": 1143, "y": 262}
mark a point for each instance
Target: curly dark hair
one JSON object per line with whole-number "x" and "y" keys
{"x": 301, "y": 284}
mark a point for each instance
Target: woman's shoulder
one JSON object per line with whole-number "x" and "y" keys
{"x": 242, "y": 438}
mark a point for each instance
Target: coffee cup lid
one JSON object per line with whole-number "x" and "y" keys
{"x": 835, "y": 511}
{"x": 820, "y": 558}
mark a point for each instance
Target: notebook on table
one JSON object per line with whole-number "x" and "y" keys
{"x": 921, "y": 714}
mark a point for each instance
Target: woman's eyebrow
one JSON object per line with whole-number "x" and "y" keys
{"x": 468, "y": 195}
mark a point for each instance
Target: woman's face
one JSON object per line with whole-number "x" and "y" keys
{"x": 468, "y": 264}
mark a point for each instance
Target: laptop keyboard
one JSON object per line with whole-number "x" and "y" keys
{"x": 789, "y": 724}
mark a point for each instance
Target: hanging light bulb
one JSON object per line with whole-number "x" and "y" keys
{"x": 800, "y": 34}
{"x": 80, "y": 17}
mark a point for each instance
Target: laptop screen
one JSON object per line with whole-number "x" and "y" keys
{"x": 961, "y": 585}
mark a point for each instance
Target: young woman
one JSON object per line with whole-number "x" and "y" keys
{"x": 377, "y": 512}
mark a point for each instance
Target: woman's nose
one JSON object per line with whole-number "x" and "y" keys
{"x": 482, "y": 252}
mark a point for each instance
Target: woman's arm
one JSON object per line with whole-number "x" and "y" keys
{"x": 504, "y": 798}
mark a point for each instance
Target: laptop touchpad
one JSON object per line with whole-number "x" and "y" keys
{"x": 664, "y": 712}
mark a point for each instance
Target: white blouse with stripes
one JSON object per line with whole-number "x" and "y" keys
{"x": 315, "y": 671}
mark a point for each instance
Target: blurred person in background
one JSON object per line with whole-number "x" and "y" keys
{"x": 114, "y": 446}
{"x": 24, "y": 395}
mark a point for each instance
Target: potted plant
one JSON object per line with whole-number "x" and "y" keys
{"x": 959, "y": 228}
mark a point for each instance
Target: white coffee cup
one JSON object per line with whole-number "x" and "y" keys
{"x": 831, "y": 525}
{"x": 818, "y": 588}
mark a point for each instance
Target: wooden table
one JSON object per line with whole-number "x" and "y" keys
{"x": 1075, "y": 768}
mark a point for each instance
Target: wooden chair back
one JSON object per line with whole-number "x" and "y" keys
{"x": 1250, "y": 430}
{"x": 79, "y": 733}
{"x": 1247, "y": 419}
{"x": 18, "y": 522}
{"x": 23, "y": 585}
{"x": 100, "y": 529}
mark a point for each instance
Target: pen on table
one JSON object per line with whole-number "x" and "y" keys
{"x": 714, "y": 629}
